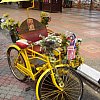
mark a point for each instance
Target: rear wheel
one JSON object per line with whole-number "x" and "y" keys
{"x": 15, "y": 57}
{"x": 72, "y": 90}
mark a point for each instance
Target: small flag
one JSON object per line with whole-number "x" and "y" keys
{"x": 70, "y": 52}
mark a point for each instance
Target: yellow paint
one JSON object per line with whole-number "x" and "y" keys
{"x": 28, "y": 55}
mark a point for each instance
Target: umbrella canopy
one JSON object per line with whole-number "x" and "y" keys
{"x": 18, "y": 1}
{"x": 12, "y": 0}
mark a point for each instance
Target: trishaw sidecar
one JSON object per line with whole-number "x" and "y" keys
{"x": 38, "y": 55}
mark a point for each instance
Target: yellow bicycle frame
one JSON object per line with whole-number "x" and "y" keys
{"x": 46, "y": 67}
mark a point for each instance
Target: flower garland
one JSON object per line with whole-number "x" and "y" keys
{"x": 67, "y": 45}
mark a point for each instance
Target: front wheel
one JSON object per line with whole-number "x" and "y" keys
{"x": 15, "y": 57}
{"x": 72, "y": 90}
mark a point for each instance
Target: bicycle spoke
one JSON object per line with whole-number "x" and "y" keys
{"x": 72, "y": 89}
{"x": 15, "y": 57}
{"x": 51, "y": 93}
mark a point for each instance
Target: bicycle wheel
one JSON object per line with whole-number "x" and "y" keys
{"x": 72, "y": 90}
{"x": 14, "y": 57}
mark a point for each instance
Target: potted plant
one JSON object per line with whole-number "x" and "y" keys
{"x": 45, "y": 18}
{"x": 10, "y": 25}
{"x": 3, "y": 18}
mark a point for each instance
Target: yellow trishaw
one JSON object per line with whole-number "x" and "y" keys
{"x": 51, "y": 59}
{"x": 44, "y": 58}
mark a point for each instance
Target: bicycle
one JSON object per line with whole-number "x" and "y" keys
{"x": 56, "y": 80}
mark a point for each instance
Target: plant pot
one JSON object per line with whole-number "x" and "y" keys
{"x": 14, "y": 37}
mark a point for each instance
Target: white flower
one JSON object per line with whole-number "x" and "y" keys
{"x": 2, "y": 20}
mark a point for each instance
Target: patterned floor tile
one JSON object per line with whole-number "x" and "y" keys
{"x": 91, "y": 49}
{"x": 85, "y": 27}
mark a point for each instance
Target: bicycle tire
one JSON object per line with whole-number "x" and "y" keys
{"x": 12, "y": 54}
{"x": 72, "y": 90}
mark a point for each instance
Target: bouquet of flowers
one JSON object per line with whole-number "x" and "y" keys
{"x": 45, "y": 18}
{"x": 67, "y": 45}
{"x": 3, "y": 18}
{"x": 51, "y": 42}
{"x": 10, "y": 25}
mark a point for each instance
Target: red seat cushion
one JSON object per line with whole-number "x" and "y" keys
{"x": 22, "y": 43}
{"x": 34, "y": 35}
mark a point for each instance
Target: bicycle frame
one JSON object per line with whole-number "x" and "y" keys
{"x": 35, "y": 55}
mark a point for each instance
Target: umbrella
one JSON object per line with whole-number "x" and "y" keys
{"x": 12, "y": 0}
{"x": 18, "y": 1}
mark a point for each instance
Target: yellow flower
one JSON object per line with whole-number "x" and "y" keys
{"x": 18, "y": 23}
{"x": 7, "y": 22}
{"x": 3, "y": 25}
{"x": 5, "y": 15}
{"x": 11, "y": 20}
{"x": 44, "y": 14}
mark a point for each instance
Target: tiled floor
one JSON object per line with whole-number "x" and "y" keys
{"x": 84, "y": 23}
